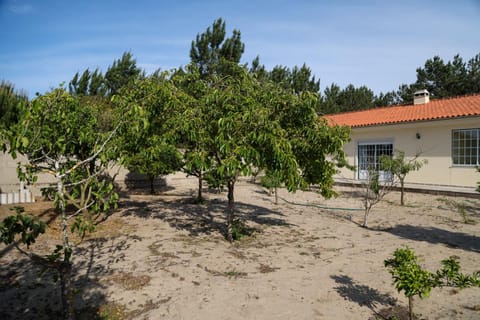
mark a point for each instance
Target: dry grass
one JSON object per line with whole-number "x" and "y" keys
{"x": 129, "y": 281}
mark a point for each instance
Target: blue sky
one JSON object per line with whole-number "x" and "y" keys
{"x": 366, "y": 42}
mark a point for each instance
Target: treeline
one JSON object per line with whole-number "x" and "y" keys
{"x": 442, "y": 79}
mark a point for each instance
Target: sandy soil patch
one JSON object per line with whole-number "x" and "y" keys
{"x": 162, "y": 257}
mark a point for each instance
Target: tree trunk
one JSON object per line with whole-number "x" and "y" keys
{"x": 276, "y": 195}
{"x": 230, "y": 209}
{"x": 65, "y": 271}
{"x": 200, "y": 187}
{"x": 402, "y": 184}
{"x": 365, "y": 218}
{"x": 152, "y": 188}
{"x": 366, "y": 204}
{"x": 65, "y": 267}
{"x": 410, "y": 308}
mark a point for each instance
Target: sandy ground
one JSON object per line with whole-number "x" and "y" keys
{"x": 161, "y": 257}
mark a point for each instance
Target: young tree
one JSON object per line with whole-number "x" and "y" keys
{"x": 59, "y": 137}
{"x": 159, "y": 158}
{"x": 250, "y": 124}
{"x": 409, "y": 277}
{"x": 192, "y": 129}
{"x": 399, "y": 167}
{"x": 242, "y": 134}
{"x": 152, "y": 151}
{"x": 247, "y": 122}
{"x": 375, "y": 189}
{"x": 211, "y": 56}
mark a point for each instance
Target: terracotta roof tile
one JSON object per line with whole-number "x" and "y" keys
{"x": 465, "y": 106}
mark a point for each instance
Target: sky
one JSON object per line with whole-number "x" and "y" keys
{"x": 375, "y": 43}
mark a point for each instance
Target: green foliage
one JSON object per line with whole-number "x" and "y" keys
{"x": 10, "y": 103}
{"x": 28, "y": 227}
{"x": 212, "y": 52}
{"x": 409, "y": 277}
{"x": 444, "y": 79}
{"x": 156, "y": 160}
{"x": 121, "y": 73}
{"x": 60, "y": 136}
{"x": 350, "y": 98}
{"x": 239, "y": 230}
{"x": 399, "y": 167}
{"x": 270, "y": 181}
{"x": 149, "y": 148}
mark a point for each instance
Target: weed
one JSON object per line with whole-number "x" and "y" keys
{"x": 266, "y": 268}
{"x": 112, "y": 311}
{"x": 129, "y": 281}
{"x": 460, "y": 207}
{"x": 235, "y": 274}
{"x": 240, "y": 230}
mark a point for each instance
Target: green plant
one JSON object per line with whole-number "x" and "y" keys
{"x": 409, "y": 277}
{"x": 399, "y": 167}
{"x": 271, "y": 181}
{"x": 112, "y": 311}
{"x": 374, "y": 191}
{"x": 234, "y": 274}
{"x": 240, "y": 229}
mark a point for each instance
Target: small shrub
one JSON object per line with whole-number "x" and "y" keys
{"x": 240, "y": 230}
{"x": 409, "y": 277}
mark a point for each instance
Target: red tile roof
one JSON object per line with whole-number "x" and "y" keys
{"x": 465, "y": 106}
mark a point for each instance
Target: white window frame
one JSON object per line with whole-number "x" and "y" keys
{"x": 362, "y": 173}
{"x": 466, "y": 152}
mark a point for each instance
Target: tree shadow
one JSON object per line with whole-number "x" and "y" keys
{"x": 361, "y": 294}
{"x": 137, "y": 183}
{"x": 435, "y": 235}
{"x": 28, "y": 291}
{"x": 198, "y": 219}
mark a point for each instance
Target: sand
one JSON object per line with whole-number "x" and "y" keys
{"x": 162, "y": 257}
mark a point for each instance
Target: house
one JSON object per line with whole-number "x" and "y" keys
{"x": 445, "y": 132}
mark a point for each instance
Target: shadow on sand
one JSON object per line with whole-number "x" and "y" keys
{"x": 362, "y": 294}
{"x": 435, "y": 235}
{"x": 27, "y": 291}
{"x": 200, "y": 219}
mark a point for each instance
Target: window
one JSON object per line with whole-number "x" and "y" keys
{"x": 369, "y": 158}
{"x": 465, "y": 147}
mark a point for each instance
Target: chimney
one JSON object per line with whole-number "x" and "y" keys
{"x": 421, "y": 97}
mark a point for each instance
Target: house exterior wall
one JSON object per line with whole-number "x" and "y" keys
{"x": 9, "y": 181}
{"x": 434, "y": 145}
{"x": 8, "y": 175}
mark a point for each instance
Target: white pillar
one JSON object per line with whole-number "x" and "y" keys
{"x": 16, "y": 197}
{"x": 28, "y": 196}
{"x": 3, "y": 198}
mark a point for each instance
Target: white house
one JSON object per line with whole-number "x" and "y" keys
{"x": 445, "y": 132}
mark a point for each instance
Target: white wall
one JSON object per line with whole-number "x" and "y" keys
{"x": 434, "y": 145}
